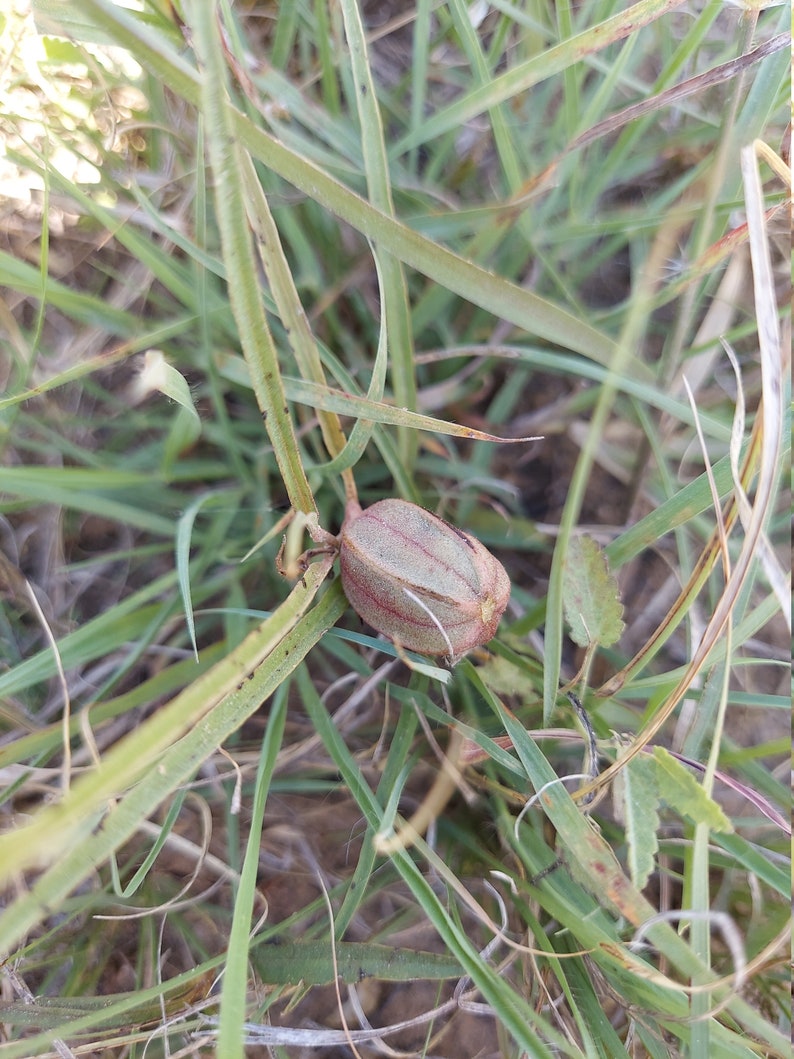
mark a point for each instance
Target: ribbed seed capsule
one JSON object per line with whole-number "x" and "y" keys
{"x": 423, "y": 583}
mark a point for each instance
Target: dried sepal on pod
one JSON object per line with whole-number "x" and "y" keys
{"x": 425, "y": 584}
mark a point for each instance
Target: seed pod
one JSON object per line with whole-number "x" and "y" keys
{"x": 423, "y": 583}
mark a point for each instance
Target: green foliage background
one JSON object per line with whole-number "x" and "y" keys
{"x": 449, "y": 227}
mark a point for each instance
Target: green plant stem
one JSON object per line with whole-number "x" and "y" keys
{"x": 238, "y": 255}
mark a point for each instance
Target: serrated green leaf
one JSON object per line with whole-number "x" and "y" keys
{"x": 636, "y": 805}
{"x": 682, "y": 792}
{"x": 590, "y": 595}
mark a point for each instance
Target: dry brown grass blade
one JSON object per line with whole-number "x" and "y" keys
{"x": 703, "y": 567}
{"x": 687, "y": 88}
{"x": 770, "y": 417}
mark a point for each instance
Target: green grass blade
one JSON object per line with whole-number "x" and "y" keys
{"x": 235, "y": 982}
{"x": 255, "y": 336}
